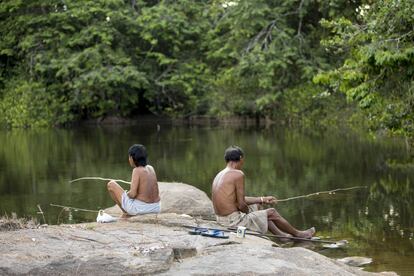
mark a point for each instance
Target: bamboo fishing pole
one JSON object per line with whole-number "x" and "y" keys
{"x": 99, "y": 178}
{"x": 233, "y": 230}
{"x": 291, "y": 238}
{"x": 73, "y": 208}
{"x": 278, "y": 200}
{"x": 321, "y": 192}
{"x": 97, "y": 211}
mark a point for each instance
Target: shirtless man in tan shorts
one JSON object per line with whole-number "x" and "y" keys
{"x": 233, "y": 208}
{"x": 143, "y": 196}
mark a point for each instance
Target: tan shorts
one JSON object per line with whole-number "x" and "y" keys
{"x": 255, "y": 220}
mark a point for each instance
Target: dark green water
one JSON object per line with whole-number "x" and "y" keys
{"x": 35, "y": 166}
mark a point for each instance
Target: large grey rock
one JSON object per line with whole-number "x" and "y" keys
{"x": 80, "y": 251}
{"x": 153, "y": 244}
{"x": 250, "y": 259}
{"x": 179, "y": 198}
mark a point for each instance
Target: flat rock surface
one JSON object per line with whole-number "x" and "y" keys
{"x": 153, "y": 244}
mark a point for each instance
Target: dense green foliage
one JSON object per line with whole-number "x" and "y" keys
{"x": 65, "y": 61}
{"x": 62, "y": 61}
{"x": 266, "y": 53}
{"x": 378, "y": 72}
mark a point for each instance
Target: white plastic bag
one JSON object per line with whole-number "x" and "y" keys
{"x": 104, "y": 217}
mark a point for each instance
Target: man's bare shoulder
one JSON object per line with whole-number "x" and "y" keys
{"x": 237, "y": 173}
{"x": 138, "y": 170}
{"x": 150, "y": 168}
{"x": 234, "y": 176}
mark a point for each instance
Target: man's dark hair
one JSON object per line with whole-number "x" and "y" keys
{"x": 139, "y": 155}
{"x": 233, "y": 153}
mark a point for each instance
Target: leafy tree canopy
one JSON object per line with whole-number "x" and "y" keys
{"x": 378, "y": 73}
{"x": 294, "y": 60}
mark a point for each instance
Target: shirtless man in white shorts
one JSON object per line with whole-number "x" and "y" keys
{"x": 143, "y": 196}
{"x": 233, "y": 208}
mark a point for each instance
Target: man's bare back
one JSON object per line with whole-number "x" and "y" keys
{"x": 224, "y": 191}
{"x": 144, "y": 185}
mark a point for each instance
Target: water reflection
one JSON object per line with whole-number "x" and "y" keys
{"x": 36, "y": 166}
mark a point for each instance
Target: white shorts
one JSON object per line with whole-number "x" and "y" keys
{"x": 135, "y": 207}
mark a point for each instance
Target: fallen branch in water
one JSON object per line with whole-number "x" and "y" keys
{"x": 322, "y": 192}
{"x": 73, "y": 208}
{"x": 99, "y": 178}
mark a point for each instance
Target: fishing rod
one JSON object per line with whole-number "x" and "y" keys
{"x": 233, "y": 230}
{"x": 230, "y": 229}
{"x": 73, "y": 208}
{"x": 278, "y": 200}
{"x": 99, "y": 178}
{"x": 321, "y": 192}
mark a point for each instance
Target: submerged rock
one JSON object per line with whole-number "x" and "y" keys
{"x": 356, "y": 261}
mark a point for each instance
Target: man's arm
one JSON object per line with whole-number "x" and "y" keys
{"x": 134, "y": 184}
{"x": 260, "y": 200}
{"x": 253, "y": 200}
{"x": 241, "y": 203}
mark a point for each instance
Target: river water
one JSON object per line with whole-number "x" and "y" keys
{"x": 378, "y": 221}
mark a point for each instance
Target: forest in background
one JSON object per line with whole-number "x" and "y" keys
{"x": 292, "y": 61}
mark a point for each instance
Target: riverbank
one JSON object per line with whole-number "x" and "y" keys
{"x": 154, "y": 244}
{"x": 199, "y": 120}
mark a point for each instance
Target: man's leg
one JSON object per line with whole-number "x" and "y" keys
{"x": 285, "y": 226}
{"x": 116, "y": 191}
{"x": 276, "y": 231}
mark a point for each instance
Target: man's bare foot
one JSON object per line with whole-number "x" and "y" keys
{"x": 125, "y": 215}
{"x": 307, "y": 234}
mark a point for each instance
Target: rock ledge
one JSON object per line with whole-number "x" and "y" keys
{"x": 153, "y": 244}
